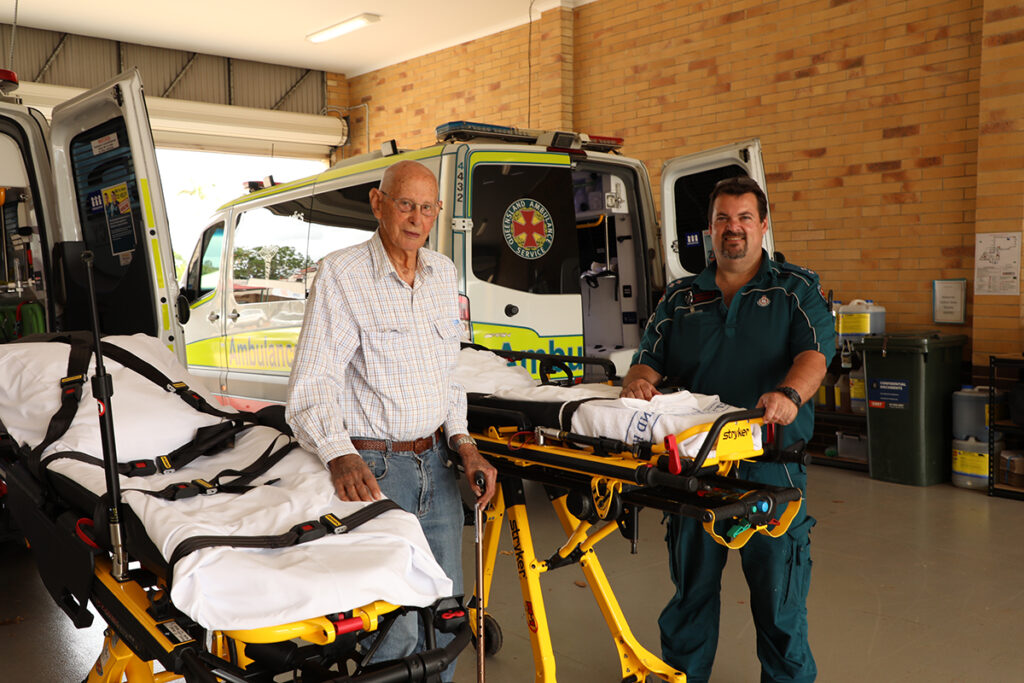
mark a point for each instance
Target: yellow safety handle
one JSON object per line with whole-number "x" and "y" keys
{"x": 792, "y": 507}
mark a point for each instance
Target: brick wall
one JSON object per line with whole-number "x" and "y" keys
{"x": 1000, "y": 182}
{"x": 867, "y": 110}
{"x": 522, "y": 76}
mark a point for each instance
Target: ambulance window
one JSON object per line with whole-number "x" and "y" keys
{"x": 269, "y": 256}
{"x": 203, "y": 272}
{"x": 692, "y": 193}
{"x": 339, "y": 218}
{"x": 524, "y": 228}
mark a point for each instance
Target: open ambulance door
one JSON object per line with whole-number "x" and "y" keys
{"x": 110, "y": 202}
{"x": 686, "y": 184}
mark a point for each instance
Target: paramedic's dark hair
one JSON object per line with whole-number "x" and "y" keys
{"x": 736, "y": 187}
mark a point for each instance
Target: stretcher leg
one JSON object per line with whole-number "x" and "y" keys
{"x": 117, "y": 662}
{"x": 529, "y": 569}
{"x": 636, "y": 661}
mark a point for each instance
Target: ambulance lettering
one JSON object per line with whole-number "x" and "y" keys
{"x": 533, "y": 364}
{"x": 260, "y": 354}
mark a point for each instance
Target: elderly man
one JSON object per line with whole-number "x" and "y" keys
{"x": 372, "y": 384}
{"x": 757, "y": 333}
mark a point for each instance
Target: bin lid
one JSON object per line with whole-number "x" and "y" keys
{"x": 911, "y": 342}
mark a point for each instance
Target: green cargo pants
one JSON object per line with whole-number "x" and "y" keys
{"x": 778, "y": 572}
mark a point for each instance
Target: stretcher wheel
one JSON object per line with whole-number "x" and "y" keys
{"x": 493, "y": 639}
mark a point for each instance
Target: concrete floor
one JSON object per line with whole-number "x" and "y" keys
{"x": 910, "y": 584}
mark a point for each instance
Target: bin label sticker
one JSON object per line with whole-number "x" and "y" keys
{"x": 888, "y": 393}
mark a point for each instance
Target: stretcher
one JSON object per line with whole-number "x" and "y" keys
{"x": 598, "y": 483}
{"x": 231, "y": 558}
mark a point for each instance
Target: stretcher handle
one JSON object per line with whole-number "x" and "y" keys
{"x": 712, "y": 437}
{"x": 652, "y": 476}
{"x": 418, "y": 667}
{"x": 741, "y": 508}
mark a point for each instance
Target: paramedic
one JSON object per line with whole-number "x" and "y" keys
{"x": 757, "y": 333}
{"x": 372, "y": 379}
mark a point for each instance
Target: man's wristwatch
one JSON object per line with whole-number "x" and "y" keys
{"x": 791, "y": 394}
{"x": 457, "y": 441}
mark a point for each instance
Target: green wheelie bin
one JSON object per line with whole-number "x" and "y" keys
{"x": 910, "y": 379}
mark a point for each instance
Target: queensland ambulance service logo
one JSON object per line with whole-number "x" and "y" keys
{"x": 528, "y": 228}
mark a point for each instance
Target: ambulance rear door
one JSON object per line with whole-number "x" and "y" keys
{"x": 522, "y": 278}
{"x": 111, "y": 203}
{"x": 686, "y": 184}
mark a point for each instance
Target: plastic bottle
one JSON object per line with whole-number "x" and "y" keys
{"x": 971, "y": 412}
{"x": 858, "y": 391}
{"x": 970, "y": 462}
{"x": 859, "y": 318}
{"x": 843, "y": 393}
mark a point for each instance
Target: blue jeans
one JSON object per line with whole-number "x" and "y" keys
{"x": 425, "y": 486}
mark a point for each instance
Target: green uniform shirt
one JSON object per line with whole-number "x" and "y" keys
{"x": 745, "y": 350}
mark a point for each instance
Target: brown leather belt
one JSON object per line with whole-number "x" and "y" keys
{"x": 417, "y": 446}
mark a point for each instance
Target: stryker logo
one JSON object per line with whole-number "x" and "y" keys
{"x": 735, "y": 433}
{"x": 518, "y": 547}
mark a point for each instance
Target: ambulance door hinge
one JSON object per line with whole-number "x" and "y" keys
{"x": 462, "y": 224}
{"x": 118, "y": 96}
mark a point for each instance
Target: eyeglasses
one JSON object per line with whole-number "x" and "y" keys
{"x": 404, "y": 205}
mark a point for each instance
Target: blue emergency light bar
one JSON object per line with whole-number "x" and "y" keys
{"x": 457, "y": 131}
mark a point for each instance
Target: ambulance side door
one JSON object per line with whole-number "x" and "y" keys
{"x": 203, "y": 287}
{"x": 266, "y": 285}
{"x": 111, "y": 203}
{"x": 686, "y": 184}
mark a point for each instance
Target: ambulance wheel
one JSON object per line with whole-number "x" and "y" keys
{"x": 493, "y": 639}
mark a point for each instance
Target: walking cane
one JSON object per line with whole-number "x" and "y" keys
{"x": 478, "y": 524}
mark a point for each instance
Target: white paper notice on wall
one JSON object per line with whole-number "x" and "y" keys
{"x": 997, "y": 263}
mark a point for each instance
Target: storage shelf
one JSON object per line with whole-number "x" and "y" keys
{"x": 1007, "y": 427}
{"x": 826, "y": 424}
{"x": 1012, "y": 433}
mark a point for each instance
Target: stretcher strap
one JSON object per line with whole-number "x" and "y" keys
{"x": 182, "y": 490}
{"x": 300, "y": 533}
{"x": 194, "y": 399}
{"x": 208, "y": 440}
{"x": 70, "y": 395}
{"x": 79, "y": 356}
{"x": 740, "y": 539}
{"x": 240, "y": 484}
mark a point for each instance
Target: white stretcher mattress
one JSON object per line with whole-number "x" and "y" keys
{"x": 633, "y": 421}
{"x": 387, "y": 558}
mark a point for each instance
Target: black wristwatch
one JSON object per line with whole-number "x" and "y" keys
{"x": 791, "y": 394}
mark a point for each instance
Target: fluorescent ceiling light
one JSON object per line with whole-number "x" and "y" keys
{"x": 344, "y": 27}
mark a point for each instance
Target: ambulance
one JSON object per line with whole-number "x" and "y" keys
{"x": 85, "y": 181}
{"x": 554, "y": 235}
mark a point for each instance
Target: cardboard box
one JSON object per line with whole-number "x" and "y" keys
{"x": 1011, "y": 468}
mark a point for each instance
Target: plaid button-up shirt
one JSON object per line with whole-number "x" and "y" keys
{"x": 376, "y": 357}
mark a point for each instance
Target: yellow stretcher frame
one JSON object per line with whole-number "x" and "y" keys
{"x": 604, "y": 476}
{"x": 117, "y": 660}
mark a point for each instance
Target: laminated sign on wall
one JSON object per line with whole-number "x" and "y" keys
{"x": 997, "y": 263}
